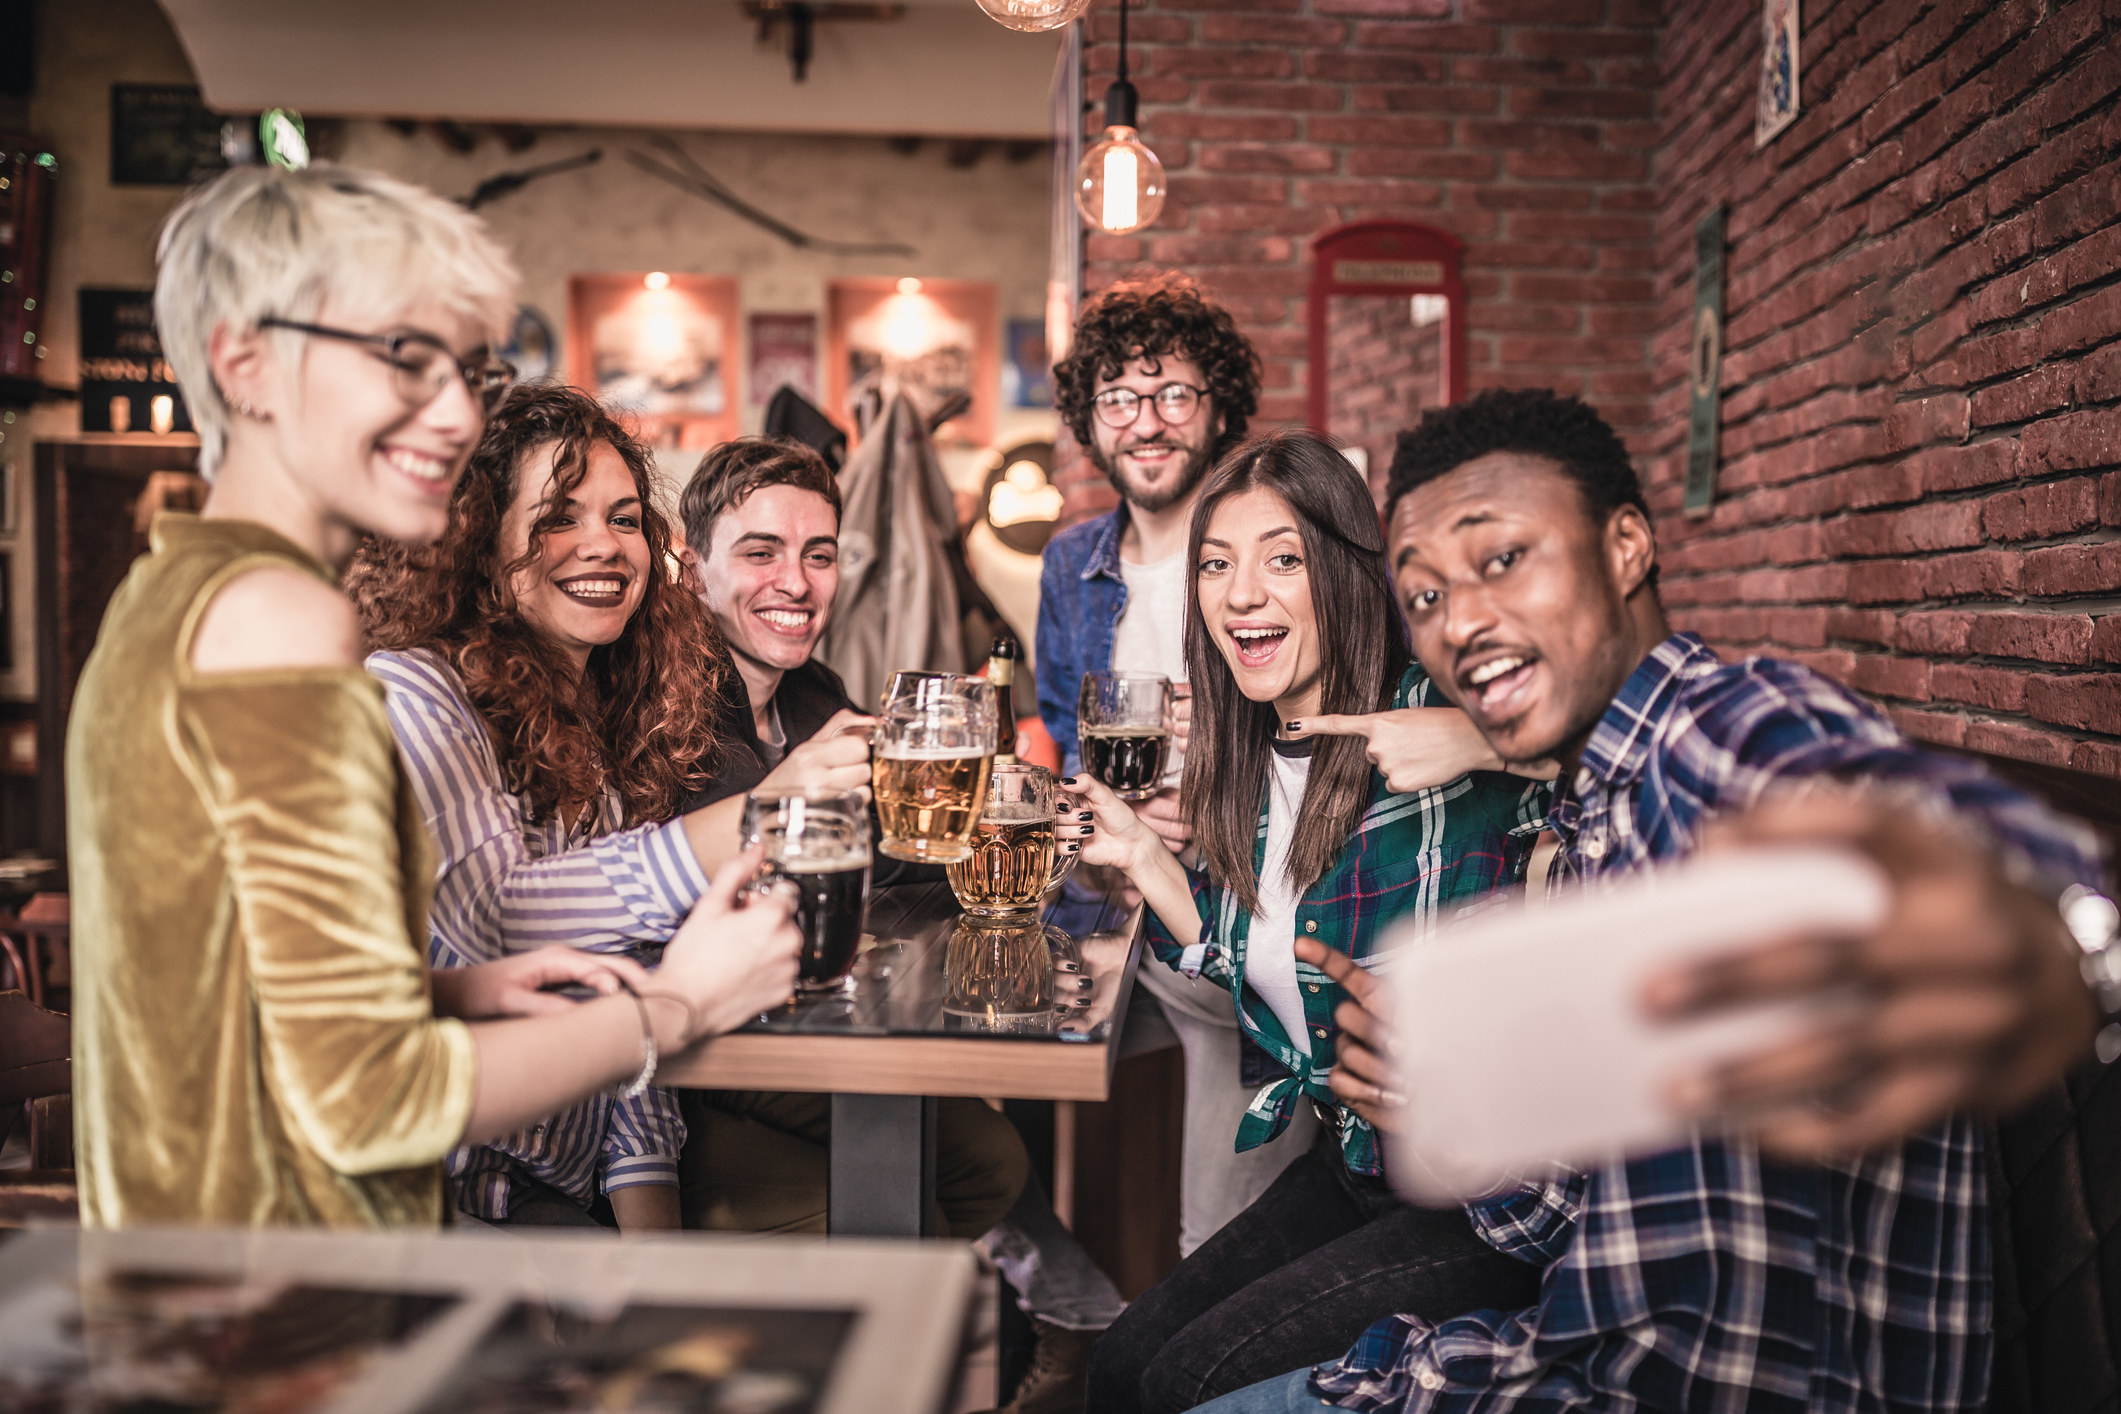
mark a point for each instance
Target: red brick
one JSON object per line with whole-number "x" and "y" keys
{"x": 2019, "y": 743}
{"x": 2087, "y": 701}
{"x": 1270, "y": 29}
{"x": 1414, "y": 162}
{"x": 1398, "y": 132}
{"x": 1385, "y": 9}
{"x": 2042, "y": 391}
{"x": 1578, "y": 44}
{"x": 1580, "y": 166}
{"x": 1425, "y": 98}
{"x": 2072, "y": 442}
{"x": 1996, "y": 689}
{"x": 1943, "y": 728}
{"x": 1581, "y": 103}
{"x": 1463, "y": 39}
{"x": 1941, "y": 525}
{"x": 2042, "y": 512}
{"x": 1290, "y": 97}
{"x": 2074, "y": 569}
{"x": 2046, "y": 638}
{"x": 1218, "y": 127}
{"x": 1959, "y": 468}
{"x": 1375, "y": 68}
{"x": 1934, "y": 632}
{"x": 1537, "y": 12}
{"x": 1882, "y": 675}
{"x": 1261, "y": 157}
{"x": 1202, "y": 63}
{"x": 1974, "y": 574}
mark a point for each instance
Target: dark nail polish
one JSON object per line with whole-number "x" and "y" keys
{"x": 1084, "y": 814}
{"x": 1296, "y": 726}
{"x": 1067, "y": 780}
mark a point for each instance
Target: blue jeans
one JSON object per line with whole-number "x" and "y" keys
{"x": 1284, "y": 1394}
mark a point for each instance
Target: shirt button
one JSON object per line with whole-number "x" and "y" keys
{"x": 1310, "y": 925}
{"x": 1594, "y": 848}
{"x": 1312, "y": 985}
{"x": 1319, "y": 1031}
{"x": 1431, "y": 1380}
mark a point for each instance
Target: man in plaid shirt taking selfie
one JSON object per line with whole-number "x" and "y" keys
{"x": 1835, "y": 1256}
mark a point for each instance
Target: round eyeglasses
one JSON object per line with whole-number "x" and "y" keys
{"x": 1175, "y": 405}
{"x": 420, "y": 364}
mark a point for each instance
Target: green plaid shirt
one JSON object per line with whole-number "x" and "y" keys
{"x": 1423, "y": 855}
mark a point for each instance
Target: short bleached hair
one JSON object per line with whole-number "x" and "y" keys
{"x": 265, "y": 242}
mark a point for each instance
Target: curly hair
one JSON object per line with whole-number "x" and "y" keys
{"x": 1534, "y": 421}
{"x": 1149, "y": 318}
{"x": 641, "y": 720}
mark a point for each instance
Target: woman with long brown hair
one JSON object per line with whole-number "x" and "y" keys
{"x": 1290, "y": 615}
{"x": 553, "y": 688}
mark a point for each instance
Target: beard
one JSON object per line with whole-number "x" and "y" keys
{"x": 1153, "y": 499}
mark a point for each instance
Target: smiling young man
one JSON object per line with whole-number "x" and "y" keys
{"x": 761, "y": 519}
{"x": 1713, "y": 1275}
{"x": 1158, "y": 384}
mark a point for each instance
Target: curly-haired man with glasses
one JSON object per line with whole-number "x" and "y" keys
{"x": 1157, "y": 385}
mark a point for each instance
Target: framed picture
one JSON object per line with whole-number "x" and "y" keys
{"x": 161, "y": 135}
{"x": 660, "y": 349}
{"x": 1780, "y": 31}
{"x": 932, "y": 339}
{"x": 783, "y": 355}
{"x": 1027, "y": 377}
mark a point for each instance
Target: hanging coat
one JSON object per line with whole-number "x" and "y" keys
{"x": 898, "y": 601}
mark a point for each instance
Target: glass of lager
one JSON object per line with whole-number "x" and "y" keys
{"x": 818, "y": 841}
{"x": 915, "y": 684}
{"x": 1014, "y": 860}
{"x": 929, "y": 763}
{"x": 1125, "y": 725}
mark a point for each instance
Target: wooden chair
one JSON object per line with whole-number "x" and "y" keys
{"x": 29, "y": 940}
{"x": 36, "y": 1072}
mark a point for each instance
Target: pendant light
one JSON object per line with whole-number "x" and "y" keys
{"x": 1119, "y": 185}
{"x": 1032, "y": 16}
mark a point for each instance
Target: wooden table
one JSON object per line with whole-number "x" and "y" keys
{"x": 889, "y": 1046}
{"x": 439, "y": 1323}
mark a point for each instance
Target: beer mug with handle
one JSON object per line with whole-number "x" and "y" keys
{"x": 818, "y": 842}
{"x": 1124, "y": 725}
{"x": 1014, "y": 858}
{"x": 931, "y": 755}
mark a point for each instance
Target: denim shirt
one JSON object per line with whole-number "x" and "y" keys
{"x": 1080, "y": 598}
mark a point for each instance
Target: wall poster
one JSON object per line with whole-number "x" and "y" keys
{"x": 126, "y": 384}
{"x": 658, "y": 348}
{"x": 932, "y": 339}
{"x": 783, "y": 355}
{"x": 162, "y": 135}
{"x": 1779, "y": 95}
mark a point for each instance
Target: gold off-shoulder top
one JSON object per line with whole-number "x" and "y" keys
{"x": 254, "y": 1039}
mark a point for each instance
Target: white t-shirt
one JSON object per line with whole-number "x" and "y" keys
{"x": 1270, "y": 944}
{"x": 1151, "y": 635}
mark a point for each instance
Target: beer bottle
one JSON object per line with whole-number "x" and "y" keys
{"x": 1001, "y": 671}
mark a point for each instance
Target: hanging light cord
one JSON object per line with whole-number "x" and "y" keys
{"x": 1122, "y": 41}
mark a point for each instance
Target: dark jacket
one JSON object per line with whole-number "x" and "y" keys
{"x": 806, "y": 700}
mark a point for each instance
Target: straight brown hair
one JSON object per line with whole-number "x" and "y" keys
{"x": 1365, "y": 651}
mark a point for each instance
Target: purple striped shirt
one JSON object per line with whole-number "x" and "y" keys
{"x": 507, "y": 884}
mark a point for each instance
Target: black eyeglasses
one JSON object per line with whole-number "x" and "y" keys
{"x": 1175, "y": 405}
{"x": 420, "y": 364}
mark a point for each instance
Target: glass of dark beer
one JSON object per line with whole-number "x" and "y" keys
{"x": 1014, "y": 860}
{"x": 1124, "y": 721}
{"x": 929, "y": 762}
{"x": 818, "y": 841}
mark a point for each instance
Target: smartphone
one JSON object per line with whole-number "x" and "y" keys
{"x": 1520, "y": 1035}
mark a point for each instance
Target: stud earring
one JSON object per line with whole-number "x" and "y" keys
{"x": 244, "y": 409}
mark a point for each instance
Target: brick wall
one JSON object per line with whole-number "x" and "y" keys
{"x": 1384, "y": 369}
{"x": 1524, "y": 127}
{"x": 1920, "y": 419}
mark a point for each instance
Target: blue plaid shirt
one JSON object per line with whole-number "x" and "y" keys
{"x": 1706, "y": 1277}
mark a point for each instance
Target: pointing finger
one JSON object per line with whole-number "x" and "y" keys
{"x": 1328, "y": 724}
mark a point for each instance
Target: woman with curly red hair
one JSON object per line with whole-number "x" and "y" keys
{"x": 554, "y": 690}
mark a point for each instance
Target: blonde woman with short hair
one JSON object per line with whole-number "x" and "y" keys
{"x": 257, "y": 1037}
